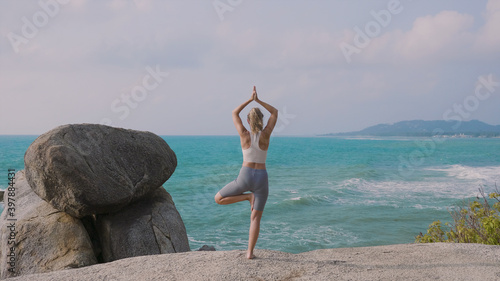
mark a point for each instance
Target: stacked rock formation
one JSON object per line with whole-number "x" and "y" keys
{"x": 92, "y": 193}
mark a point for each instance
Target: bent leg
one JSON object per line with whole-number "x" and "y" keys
{"x": 254, "y": 232}
{"x": 233, "y": 192}
{"x": 233, "y": 199}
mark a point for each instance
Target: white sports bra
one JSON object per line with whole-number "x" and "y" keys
{"x": 254, "y": 153}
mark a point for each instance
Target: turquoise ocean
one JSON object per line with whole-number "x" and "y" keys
{"x": 325, "y": 192}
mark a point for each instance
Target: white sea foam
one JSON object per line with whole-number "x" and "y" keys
{"x": 423, "y": 207}
{"x": 380, "y": 138}
{"x": 488, "y": 174}
{"x": 406, "y": 190}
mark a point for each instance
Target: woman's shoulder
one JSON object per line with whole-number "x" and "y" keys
{"x": 266, "y": 133}
{"x": 264, "y": 138}
{"x": 246, "y": 135}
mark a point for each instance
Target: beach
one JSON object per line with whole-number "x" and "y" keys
{"x": 438, "y": 261}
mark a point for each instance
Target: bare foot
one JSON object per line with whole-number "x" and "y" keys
{"x": 251, "y": 256}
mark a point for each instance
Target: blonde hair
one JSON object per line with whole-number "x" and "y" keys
{"x": 256, "y": 120}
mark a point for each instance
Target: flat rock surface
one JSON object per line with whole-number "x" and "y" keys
{"x": 439, "y": 261}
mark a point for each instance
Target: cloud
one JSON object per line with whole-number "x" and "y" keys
{"x": 445, "y": 35}
{"x": 488, "y": 36}
{"x": 93, "y": 51}
{"x": 259, "y": 48}
{"x": 433, "y": 39}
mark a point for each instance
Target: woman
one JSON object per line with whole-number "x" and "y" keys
{"x": 253, "y": 174}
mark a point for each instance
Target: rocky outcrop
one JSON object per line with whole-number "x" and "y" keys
{"x": 149, "y": 226}
{"x": 416, "y": 262}
{"x": 206, "y": 248}
{"x": 90, "y": 193}
{"x": 87, "y": 169}
{"x": 36, "y": 238}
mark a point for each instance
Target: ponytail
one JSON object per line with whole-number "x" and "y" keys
{"x": 256, "y": 119}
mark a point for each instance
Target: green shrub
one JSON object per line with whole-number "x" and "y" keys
{"x": 475, "y": 222}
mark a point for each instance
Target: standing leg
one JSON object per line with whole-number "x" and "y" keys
{"x": 254, "y": 232}
{"x": 261, "y": 191}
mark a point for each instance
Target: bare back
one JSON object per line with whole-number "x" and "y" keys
{"x": 265, "y": 136}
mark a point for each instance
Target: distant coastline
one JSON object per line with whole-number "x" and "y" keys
{"x": 421, "y": 128}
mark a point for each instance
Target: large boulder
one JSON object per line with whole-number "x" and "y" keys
{"x": 149, "y": 226}
{"x": 36, "y": 238}
{"x": 89, "y": 169}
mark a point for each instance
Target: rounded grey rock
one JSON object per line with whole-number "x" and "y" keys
{"x": 150, "y": 226}
{"x": 36, "y": 238}
{"x": 85, "y": 169}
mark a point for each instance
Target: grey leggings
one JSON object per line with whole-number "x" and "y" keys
{"x": 253, "y": 180}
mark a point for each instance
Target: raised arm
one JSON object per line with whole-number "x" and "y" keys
{"x": 274, "y": 114}
{"x": 236, "y": 117}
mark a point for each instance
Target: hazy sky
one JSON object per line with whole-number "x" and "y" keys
{"x": 181, "y": 67}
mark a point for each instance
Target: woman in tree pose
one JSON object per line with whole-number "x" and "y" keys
{"x": 253, "y": 174}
